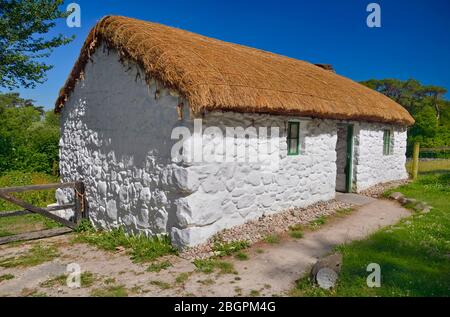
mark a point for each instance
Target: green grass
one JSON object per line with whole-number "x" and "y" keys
{"x": 157, "y": 267}
{"x": 182, "y": 278}
{"x": 32, "y": 222}
{"x": 140, "y": 248}
{"x": 206, "y": 282}
{"x": 414, "y": 255}
{"x": 6, "y": 277}
{"x": 26, "y": 292}
{"x": 344, "y": 212}
{"x": 87, "y": 279}
{"x": 59, "y": 280}
{"x": 241, "y": 256}
{"x": 110, "y": 291}
{"x": 272, "y": 238}
{"x": 296, "y": 231}
{"x": 255, "y": 293}
{"x": 210, "y": 265}
{"x": 316, "y": 223}
{"x": 229, "y": 248}
{"x": 430, "y": 166}
{"x": 109, "y": 281}
{"x": 38, "y": 254}
{"x": 161, "y": 284}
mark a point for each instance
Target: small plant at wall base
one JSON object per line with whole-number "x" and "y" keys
{"x": 140, "y": 248}
{"x": 210, "y": 265}
{"x": 228, "y": 248}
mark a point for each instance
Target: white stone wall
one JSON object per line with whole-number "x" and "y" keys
{"x": 370, "y": 165}
{"x": 116, "y": 137}
{"x": 230, "y": 193}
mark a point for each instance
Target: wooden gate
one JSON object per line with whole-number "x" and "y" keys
{"x": 79, "y": 206}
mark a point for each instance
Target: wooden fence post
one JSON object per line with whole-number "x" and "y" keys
{"x": 80, "y": 203}
{"x": 415, "y": 162}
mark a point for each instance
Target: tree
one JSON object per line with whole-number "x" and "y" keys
{"x": 425, "y": 103}
{"x": 22, "y": 46}
{"x": 29, "y": 136}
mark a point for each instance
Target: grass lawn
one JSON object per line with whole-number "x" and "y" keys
{"x": 433, "y": 166}
{"x": 31, "y": 222}
{"x": 414, "y": 255}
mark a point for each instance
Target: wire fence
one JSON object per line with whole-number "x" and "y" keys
{"x": 432, "y": 160}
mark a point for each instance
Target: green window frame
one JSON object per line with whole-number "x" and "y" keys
{"x": 293, "y": 138}
{"x": 387, "y": 146}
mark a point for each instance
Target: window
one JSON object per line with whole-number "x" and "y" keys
{"x": 387, "y": 142}
{"x": 293, "y": 138}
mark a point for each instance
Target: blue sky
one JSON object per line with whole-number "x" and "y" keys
{"x": 413, "y": 41}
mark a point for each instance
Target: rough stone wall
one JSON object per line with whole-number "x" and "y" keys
{"x": 230, "y": 193}
{"x": 371, "y": 166}
{"x": 115, "y": 136}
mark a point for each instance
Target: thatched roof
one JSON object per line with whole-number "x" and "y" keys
{"x": 215, "y": 75}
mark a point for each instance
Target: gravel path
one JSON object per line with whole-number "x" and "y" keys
{"x": 270, "y": 270}
{"x": 257, "y": 230}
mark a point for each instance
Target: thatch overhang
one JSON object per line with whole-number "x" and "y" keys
{"x": 214, "y": 75}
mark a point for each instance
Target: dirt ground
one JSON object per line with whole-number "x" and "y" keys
{"x": 270, "y": 270}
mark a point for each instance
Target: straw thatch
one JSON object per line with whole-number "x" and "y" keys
{"x": 214, "y": 75}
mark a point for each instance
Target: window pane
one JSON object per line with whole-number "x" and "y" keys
{"x": 386, "y": 142}
{"x": 293, "y": 146}
{"x": 293, "y": 133}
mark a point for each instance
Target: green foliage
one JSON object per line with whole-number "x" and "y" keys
{"x": 110, "y": 291}
{"x": 242, "y": 256}
{"x": 296, "y": 231}
{"x": 85, "y": 226}
{"x": 36, "y": 255}
{"x": 40, "y": 198}
{"x": 316, "y": 223}
{"x": 413, "y": 255}
{"x": 228, "y": 248}
{"x": 255, "y": 293}
{"x": 157, "y": 267}
{"x": 6, "y": 277}
{"x": 425, "y": 103}
{"x": 210, "y": 265}
{"x": 59, "y": 280}
{"x": 273, "y": 238}
{"x": 141, "y": 248}
{"x": 160, "y": 284}
{"x": 30, "y": 222}
{"x": 296, "y": 234}
{"x": 182, "y": 278}
{"x": 22, "y": 44}
{"x": 28, "y": 136}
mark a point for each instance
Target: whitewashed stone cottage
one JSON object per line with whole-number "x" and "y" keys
{"x": 135, "y": 83}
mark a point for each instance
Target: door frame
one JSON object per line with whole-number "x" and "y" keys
{"x": 349, "y": 160}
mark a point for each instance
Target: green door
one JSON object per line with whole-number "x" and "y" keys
{"x": 349, "y": 163}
